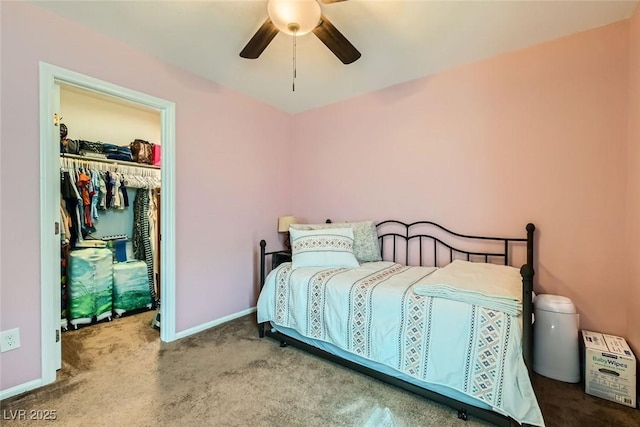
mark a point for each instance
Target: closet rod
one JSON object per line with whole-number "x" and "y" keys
{"x": 117, "y": 162}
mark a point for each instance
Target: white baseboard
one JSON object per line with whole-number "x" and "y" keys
{"x": 20, "y": 388}
{"x": 213, "y": 323}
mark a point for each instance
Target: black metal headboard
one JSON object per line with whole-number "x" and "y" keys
{"x": 425, "y": 242}
{"x": 399, "y": 242}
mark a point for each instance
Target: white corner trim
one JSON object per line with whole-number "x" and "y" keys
{"x": 213, "y": 323}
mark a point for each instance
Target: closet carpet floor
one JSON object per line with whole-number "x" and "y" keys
{"x": 119, "y": 374}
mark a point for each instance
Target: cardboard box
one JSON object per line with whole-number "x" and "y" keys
{"x": 609, "y": 368}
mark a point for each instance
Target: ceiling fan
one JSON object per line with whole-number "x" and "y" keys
{"x": 299, "y": 17}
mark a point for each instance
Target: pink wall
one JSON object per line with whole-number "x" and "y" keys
{"x": 633, "y": 322}
{"x": 228, "y": 164}
{"x": 538, "y": 135}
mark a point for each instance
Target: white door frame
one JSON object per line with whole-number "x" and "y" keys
{"x": 50, "y": 207}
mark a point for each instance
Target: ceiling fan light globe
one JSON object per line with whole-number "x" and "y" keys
{"x": 304, "y": 13}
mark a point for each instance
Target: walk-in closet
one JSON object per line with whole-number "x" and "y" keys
{"x": 110, "y": 189}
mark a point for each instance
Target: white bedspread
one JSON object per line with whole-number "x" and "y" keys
{"x": 373, "y": 312}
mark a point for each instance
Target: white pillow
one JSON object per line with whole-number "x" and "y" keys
{"x": 365, "y": 234}
{"x": 331, "y": 247}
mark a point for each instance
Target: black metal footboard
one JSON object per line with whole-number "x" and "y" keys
{"x": 284, "y": 255}
{"x": 410, "y": 239}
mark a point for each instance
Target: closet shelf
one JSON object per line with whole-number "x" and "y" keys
{"x": 117, "y": 162}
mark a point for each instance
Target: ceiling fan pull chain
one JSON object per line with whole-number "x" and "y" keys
{"x": 295, "y": 33}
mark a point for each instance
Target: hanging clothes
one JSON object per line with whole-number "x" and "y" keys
{"x": 83, "y": 183}
{"x": 141, "y": 240}
{"x": 110, "y": 182}
{"x": 66, "y": 223}
{"x": 102, "y": 203}
{"x": 153, "y": 236}
{"x": 69, "y": 194}
{"x": 123, "y": 190}
{"x": 95, "y": 198}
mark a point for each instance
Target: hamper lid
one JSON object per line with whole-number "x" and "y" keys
{"x": 554, "y": 303}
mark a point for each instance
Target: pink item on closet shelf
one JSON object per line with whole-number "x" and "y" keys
{"x": 155, "y": 154}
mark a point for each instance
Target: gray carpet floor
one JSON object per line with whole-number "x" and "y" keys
{"x": 120, "y": 374}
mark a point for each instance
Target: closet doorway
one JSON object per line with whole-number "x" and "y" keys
{"x": 51, "y": 79}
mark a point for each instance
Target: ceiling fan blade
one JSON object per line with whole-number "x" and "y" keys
{"x": 335, "y": 41}
{"x": 260, "y": 40}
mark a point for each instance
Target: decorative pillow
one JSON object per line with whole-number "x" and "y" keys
{"x": 366, "y": 247}
{"x": 322, "y": 248}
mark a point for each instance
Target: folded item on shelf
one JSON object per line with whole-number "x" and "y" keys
{"x": 93, "y": 146}
{"x": 92, "y": 154}
{"x": 91, "y": 244}
{"x": 119, "y": 156}
{"x": 109, "y": 148}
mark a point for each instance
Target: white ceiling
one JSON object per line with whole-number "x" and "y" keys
{"x": 399, "y": 40}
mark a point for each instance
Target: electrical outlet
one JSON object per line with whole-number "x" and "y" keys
{"x": 9, "y": 340}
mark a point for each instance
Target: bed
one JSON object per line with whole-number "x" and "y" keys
{"x": 435, "y": 312}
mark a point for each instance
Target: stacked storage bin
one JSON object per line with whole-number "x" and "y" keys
{"x": 130, "y": 287}
{"x": 90, "y": 285}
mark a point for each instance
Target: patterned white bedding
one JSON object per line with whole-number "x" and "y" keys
{"x": 372, "y": 311}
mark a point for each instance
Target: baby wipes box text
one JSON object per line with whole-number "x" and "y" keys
{"x": 609, "y": 368}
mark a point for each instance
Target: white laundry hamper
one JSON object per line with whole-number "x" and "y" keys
{"x": 556, "y": 338}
